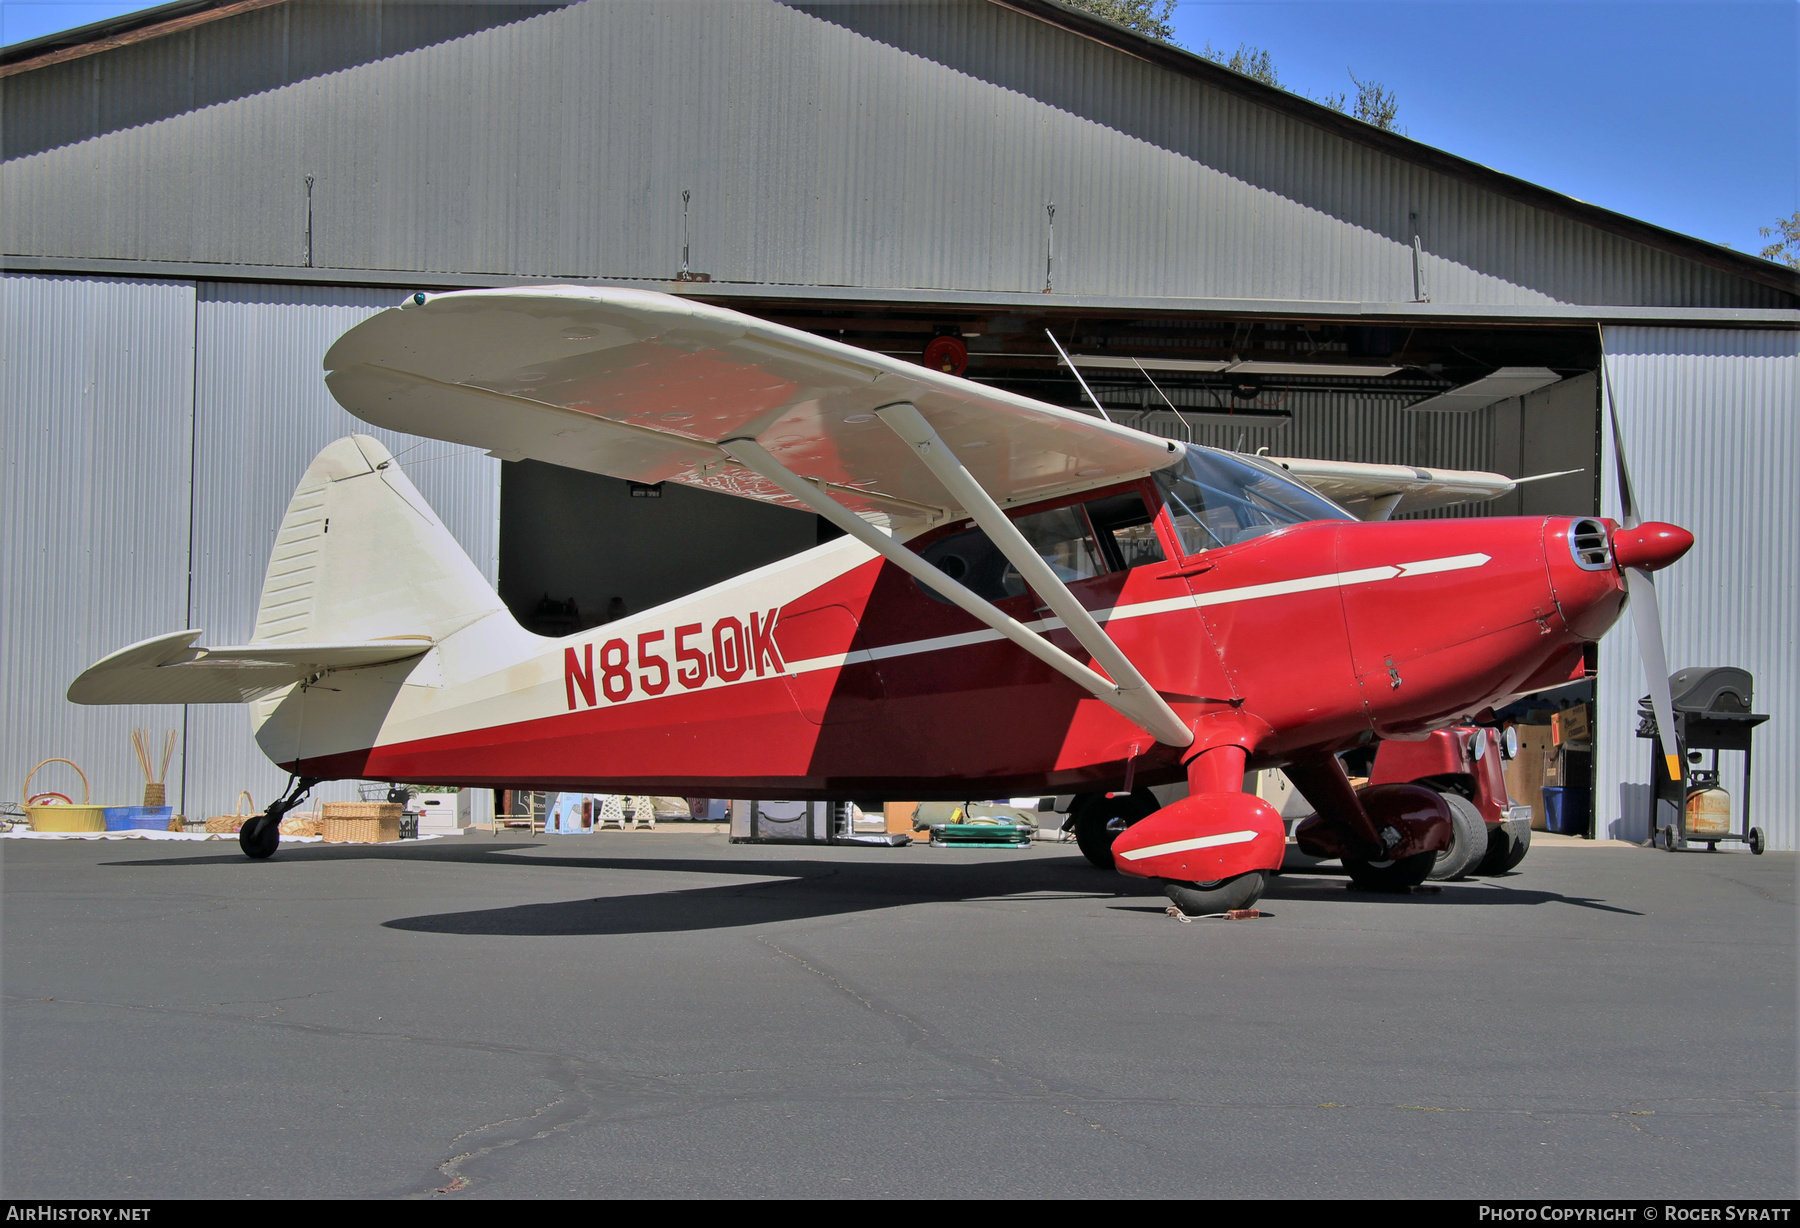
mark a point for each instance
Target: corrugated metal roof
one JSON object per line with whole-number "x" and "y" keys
{"x": 1711, "y": 422}
{"x": 867, "y": 145}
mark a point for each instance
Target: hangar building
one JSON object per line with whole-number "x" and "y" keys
{"x": 195, "y": 200}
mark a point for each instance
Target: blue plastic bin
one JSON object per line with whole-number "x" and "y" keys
{"x": 1566, "y": 810}
{"x": 138, "y": 818}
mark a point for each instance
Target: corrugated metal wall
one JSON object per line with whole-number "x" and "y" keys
{"x": 1371, "y": 427}
{"x": 873, "y": 145}
{"x": 152, "y": 427}
{"x": 1711, "y": 422}
{"x": 98, "y": 397}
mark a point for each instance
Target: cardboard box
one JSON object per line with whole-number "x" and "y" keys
{"x": 899, "y": 816}
{"x": 443, "y": 812}
{"x": 1573, "y": 727}
{"x": 1525, "y": 772}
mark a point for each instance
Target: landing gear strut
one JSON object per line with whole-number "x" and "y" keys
{"x": 260, "y": 835}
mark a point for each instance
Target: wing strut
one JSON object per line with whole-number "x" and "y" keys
{"x": 1129, "y": 704}
{"x": 1133, "y": 696}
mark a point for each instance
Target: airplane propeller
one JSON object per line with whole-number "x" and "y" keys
{"x": 1639, "y": 549}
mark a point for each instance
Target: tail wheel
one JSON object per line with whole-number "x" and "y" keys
{"x": 1205, "y": 899}
{"x": 1401, "y": 874}
{"x": 1099, "y": 819}
{"x": 260, "y": 836}
{"x": 1468, "y": 839}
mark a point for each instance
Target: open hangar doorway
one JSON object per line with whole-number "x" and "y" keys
{"x": 578, "y": 549}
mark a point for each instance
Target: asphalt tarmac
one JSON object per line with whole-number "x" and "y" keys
{"x": 671, "y": 1015}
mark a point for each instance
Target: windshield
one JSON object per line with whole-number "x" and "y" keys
{"x": 1215, "y": 499}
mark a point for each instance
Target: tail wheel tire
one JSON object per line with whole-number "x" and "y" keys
{"x": 1756, "y": 841}
{"x": 1468, "y": 840}
{"x": 1205, "y": 899}
{"x": 260, "y": 836}
{"x": 1095, "y": 817}
{"x": 1401, "y": 874}
{"x": 1504, "y": 850}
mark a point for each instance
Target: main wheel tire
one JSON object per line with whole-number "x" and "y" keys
{"x": 1468, "y": 840}
{"x": 1505, "y": 850}
{"x": 260, "y": 836}
{"x": 1093, "y": 813}
{"x": 1204, "y": 899}
{"x": 1401, "y": 874}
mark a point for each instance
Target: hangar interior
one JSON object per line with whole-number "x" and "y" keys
{"x": 196, "y": 199}
{"x": 560, "y": 570}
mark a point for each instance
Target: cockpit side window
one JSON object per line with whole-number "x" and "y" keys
{"x": 1079, "y": 541}
{"x": 1126, "y": 529}
{"x": 1062, "y": 538}
{"x": 1215, "y": 499}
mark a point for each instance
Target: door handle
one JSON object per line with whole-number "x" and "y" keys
{"x": 1192, "y": 569}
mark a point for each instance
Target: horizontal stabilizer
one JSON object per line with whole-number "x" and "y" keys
{"x": 173, "y": 669}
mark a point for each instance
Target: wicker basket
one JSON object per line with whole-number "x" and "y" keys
{"x": 55, "y": 812}
{"x": 302, "y": 825}
{"x": 360, "y": 822}
{"x": 228, "y": 824}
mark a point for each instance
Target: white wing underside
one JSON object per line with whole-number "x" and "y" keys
{"x": 644, "y": 386}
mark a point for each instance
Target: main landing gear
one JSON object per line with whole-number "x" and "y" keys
{"x": 260, "y": 835}
{"x": 1098, "y": 818}
{"x": 1211, "y": 852}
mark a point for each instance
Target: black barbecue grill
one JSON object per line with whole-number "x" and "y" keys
{"x": 1712, "y": 712}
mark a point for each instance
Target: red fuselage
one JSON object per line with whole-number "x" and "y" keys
{"x": 1293, "y": 644}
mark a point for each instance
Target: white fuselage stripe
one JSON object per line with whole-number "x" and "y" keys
{"x": 1144, "y": 609}
{"x": 1185, "y": 846}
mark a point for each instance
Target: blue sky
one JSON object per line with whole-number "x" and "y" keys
{"x": 1682, "y": 113}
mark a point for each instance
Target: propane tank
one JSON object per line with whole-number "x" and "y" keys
{"x": 1708, "y": 807}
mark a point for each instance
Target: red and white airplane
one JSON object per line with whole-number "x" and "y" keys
{"x": 1027, "y": 600}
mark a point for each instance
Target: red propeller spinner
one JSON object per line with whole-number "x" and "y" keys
{"x": 1651, "y": 545}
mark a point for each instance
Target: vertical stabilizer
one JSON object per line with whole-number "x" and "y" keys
{"x": 361, "y": 556}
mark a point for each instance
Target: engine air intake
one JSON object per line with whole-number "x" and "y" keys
{"x": 1588, "y": 543}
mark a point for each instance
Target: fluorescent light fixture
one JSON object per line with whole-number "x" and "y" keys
{"x": 1107, "y": 362}
{"x": 1262, "y": 419}
{"x": 1111, "y": 362}
{"x": 1311, "y": 368}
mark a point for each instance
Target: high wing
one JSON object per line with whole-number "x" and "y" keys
{"x": 173, "y": 669}
{"x": 645, "y": 386}
{"x": 1376, "y": 492}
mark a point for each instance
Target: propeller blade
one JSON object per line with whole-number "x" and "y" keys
{"x": 1646, "y": 617}
{"x": 1628, "y": 509}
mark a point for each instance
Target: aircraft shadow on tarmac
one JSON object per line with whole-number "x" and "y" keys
{"x": 805, "y": 889}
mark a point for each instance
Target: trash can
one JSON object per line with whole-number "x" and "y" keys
{"x": 1566, "y": 810}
